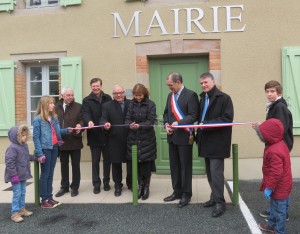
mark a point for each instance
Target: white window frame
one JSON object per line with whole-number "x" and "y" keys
{"x": 45, "y": 84}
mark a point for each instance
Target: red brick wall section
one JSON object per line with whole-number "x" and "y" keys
{"x": 142, "y": 65}
{"x": 214, "y": 60}
{"x": 20, "y": 99}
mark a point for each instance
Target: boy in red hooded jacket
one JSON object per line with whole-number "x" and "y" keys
{"x": 277, "y": 174}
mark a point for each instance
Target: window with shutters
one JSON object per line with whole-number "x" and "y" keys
{"x": 42, "y": 79}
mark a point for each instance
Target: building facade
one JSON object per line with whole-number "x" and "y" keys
{"x": 50, "y": 44}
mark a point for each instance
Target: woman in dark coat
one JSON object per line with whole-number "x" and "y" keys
{"x": 141, "y": 117}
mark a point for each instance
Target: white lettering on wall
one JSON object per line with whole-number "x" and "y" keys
{"x": 189, "y": 20}
{"x": 191, "y": 16}
{"x": 160, "y": 24}
{"x": 135, "y": 18}
{"x": 229, "y": 18}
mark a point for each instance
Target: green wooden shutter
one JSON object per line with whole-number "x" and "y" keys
{"x": 69, "y": 2}
{"x": 7, "y": 96}
{"x": 7, "y": 5}
{"x": 291, "y": 83}
{"x": 71, "y": 75}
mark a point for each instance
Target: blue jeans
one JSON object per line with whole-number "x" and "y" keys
{"x": 47, "y": 171}
{"x": 18, "y": 200}
{"x": 277, "y": 218}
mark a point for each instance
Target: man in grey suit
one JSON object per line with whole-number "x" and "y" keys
{"x": 182, "y": 108}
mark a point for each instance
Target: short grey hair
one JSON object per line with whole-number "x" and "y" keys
{"x": 63, "y": 90}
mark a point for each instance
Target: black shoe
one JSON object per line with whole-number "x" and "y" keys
{"x": 183, "y": 202}
{"x": 74, "y": 192}
{"x": 61, "y": 192}
{"x": 96, "y": 190}
{"x": 118, "y": 192}
{"x": 218, "y": 210}
{"x": 172, "y": 197}
{"x": 209, "y": 203}
{"x": 146, "y": 194}
{"x": 106, "y": 187}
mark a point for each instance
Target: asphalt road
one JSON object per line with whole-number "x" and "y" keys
{"x": 147, "y": 218}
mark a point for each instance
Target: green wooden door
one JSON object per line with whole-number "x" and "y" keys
{"x": 190, "y": 68}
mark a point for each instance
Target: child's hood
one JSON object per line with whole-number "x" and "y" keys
{"x": 272, "y": 131}
{"x": 14, "y": 133}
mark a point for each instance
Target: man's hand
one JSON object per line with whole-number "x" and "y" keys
{"x": 42, "y": 159}
{"x": 107, "y": 126}
{"x": 90, "y": 124}
{"x": 169, "y": 130}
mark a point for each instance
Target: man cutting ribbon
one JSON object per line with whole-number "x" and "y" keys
{"x": 214, "y": 143}
{"x": 180, "y": 110}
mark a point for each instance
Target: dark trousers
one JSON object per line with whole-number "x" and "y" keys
{"x": 117, "y": 174}
{"x": 96, "y": 154}
{"x": 215, "y": 177}
{"x": 75, "y": 162}
{"x": 181, "y": 162}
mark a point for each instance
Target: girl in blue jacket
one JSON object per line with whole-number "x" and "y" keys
{"x": 46, "y": 138}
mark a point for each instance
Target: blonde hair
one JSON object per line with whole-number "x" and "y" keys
{"x": 22, "y": 129}
{"x": 43, "y": 108}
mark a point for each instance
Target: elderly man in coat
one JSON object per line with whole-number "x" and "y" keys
{"x": 114, "y": 113}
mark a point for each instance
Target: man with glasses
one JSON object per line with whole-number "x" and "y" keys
{"x": 182, "y": 108}
{"x": 113, "y": 117}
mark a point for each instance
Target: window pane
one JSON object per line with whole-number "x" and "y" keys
{"x": 52, "y": 1}
{"x": 34, "y": 103}
{"x": 35, "y": 2}
{"x": 36, "y": 88}
{"x": 53, "y": 73}
{"x": 53, "y": 88}
{"x": 35, "y": 73}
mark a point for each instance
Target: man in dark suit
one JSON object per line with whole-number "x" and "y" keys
{"x": 114, "y": 113}
{"x": 96, "y": 138}
{"x": 184, "y": 101}
{"x": 214, "y": 143}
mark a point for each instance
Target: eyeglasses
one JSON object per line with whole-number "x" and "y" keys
{"x": 118, "y": 93}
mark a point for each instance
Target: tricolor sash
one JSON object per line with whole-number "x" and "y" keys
{"x": 177, "y": 112}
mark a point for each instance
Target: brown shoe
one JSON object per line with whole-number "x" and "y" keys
{"x": 16, "y": 218}
{"x": 265, "y": 227}
{"x": 25, "y": 212}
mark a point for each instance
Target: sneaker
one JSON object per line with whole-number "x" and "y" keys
{"x": 266, "y": 228}
{"x": 287, "y": 218}
{"x": 264, "y": 214}
{"x": 46, "y": 204}
{"x": 25, "y": 212}
{"x": 16, "y": 218}
{"x": 53, "y": 202}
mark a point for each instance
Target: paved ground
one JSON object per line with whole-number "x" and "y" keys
{"x": 148, "y": 218}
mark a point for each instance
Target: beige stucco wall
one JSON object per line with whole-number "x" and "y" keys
{"x": 248, "y": 59}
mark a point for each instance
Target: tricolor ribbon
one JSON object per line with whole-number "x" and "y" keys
{"x": 190, "y": 126}
{"x": 177, "y": 112}
{"x": 212, "y": 125}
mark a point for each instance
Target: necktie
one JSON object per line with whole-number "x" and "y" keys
{"x": 122, "y": 107}
{"x": 205, "y": 107}
{"x": 176, "y": 96}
